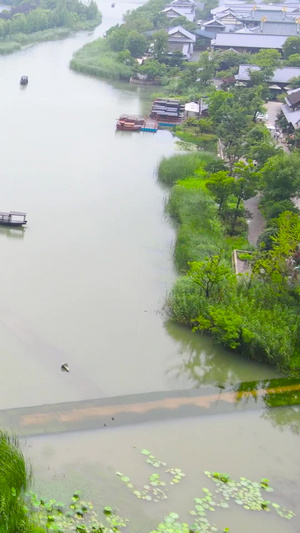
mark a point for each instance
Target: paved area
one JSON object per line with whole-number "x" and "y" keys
{"x": 257, "y": 223}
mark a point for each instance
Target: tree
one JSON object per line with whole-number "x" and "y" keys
{"x": 259, "y": 145}
{"x": 221, "y": 186}
{"x": 210, "y": 274}
{"x": 160, "y": 44}
{"x": 277, "y": 265}
{"x": 291, "y": 46}
{"x": 207, "y": 65}
{"x": 234, "y": 123}
{"x": 246, "y": 181}
{"x": 281, "y": 177}
{"x": 135, "y": 43}
{"x": 117, "y": 37}
{"x": 153, "y": 69}
{"x": 267, "y": 58}
{"x": 293, "y": 61}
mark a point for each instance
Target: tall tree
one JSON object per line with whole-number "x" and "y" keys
{"x": 291, "y": 46}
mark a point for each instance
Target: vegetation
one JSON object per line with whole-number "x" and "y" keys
{"x": 14, "y": 482}
{"x": 39, "y": 515}
{"x": 25, "y": 23}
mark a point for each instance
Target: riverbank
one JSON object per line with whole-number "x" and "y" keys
{"x": 248, "y": 315}
{"x": 39, "y": 25}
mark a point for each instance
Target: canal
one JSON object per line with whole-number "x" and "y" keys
{"x": 86, "y": 281}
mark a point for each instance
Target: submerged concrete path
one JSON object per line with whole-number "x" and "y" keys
{"x": 140, "y": 408}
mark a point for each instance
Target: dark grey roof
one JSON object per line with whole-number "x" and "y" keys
{"x": 291, "y": 116}
{"x": 204, "y": 33}
{"x": 271, "y": 16}
{"x": 281, "y": 75}
{"x": 241, "y": 40}
{"x": 273, "y": 28}
{"x": 293, "y": 97}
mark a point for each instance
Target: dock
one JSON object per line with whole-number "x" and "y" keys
{"x": 150, "y": 125}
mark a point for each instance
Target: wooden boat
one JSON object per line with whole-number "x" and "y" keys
{"x": 24, "y": 80}
{"x": 13, "y": 219}
{"x": 130, "y": 123}
{"x": 128, "y": 126}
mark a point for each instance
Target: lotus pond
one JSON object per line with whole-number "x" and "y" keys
{"x": 237, "y": 472}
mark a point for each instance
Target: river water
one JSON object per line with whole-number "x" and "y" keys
{"x": 86, "y": 281}
{"x": 85, "y": 284}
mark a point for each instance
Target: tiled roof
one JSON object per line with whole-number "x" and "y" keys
{"x": 293, "y": 97}
{"x": 273, "y": 28}
{"x": 182, "y": 30}
{"x": 281, "y": 75}
{"x": 241, "y": 40}
{"x": 291, "y": 116}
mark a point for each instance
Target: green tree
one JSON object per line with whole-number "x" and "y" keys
{"x": 210, "y": 274}
{"x": 267, "y": 58}
{"x": 135, "y": 43}
{"x": 293, "y": 61}
{"x": 160, "y": 42}
{"x": 153, "y": 69}
{"x": 281, "y": 177}
{"x": 291, "y": 46}
{"x": 221, "y": 185}
{"x": 116, "y": 38}
{"x": 206, "y": 67}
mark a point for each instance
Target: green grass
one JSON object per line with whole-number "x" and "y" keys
{"x": 183, "y": 166}
{"x": 97, "y": 60}
{"x": 15, "y": 479}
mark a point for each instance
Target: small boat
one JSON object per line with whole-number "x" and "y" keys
{"x": 113, "y": 5}
{"x": 128, "y": 126}
{"x": 13, "y": 219}
{"x": 24, "y": 80}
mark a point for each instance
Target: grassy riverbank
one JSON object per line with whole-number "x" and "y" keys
{"x": 20, "y": 27}
{"x": 256, "y": 316}
{"x": 96, "y": 59}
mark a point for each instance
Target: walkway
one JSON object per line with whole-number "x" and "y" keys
{"x": 140, "y": 408}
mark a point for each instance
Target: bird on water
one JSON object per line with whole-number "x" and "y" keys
{"x": 65, "y": 367}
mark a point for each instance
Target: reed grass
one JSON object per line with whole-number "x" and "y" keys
{"x": 182, "y": 166}
{"x": 97, "y": 60}
{"x": 199, "y": 232}
{"x": 15, "y": 479}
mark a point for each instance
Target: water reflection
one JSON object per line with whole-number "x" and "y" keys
{"x": 204, "y": 362}
{"x": 12, "y": 233}
{"x": 284, "y": 417}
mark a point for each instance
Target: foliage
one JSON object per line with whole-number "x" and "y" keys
{"x": 182, "y": 166}
{"x": 210, "y": 274}
{"x": 221, "y": 186}
{"x": 281, "y": 177}
{"x": 96, "y": 59}
{"x": 72, "y": 14}
{"x": 135, "y": 43}
{"x": 14, "y": 481}
{"x": 199, "y": 231}
{"x": 291, "y": 47}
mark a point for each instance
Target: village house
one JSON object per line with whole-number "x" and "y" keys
{"x": 175, "y": 12}
{"x": 291, "y": 109}
{"x": 179, "y": 39}
{"x": 281, "y": 76}
{"x": 252, "y": 43}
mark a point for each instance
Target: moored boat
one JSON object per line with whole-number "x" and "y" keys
{"x": 128, "y": 126}
{"x": 13, "y": 219}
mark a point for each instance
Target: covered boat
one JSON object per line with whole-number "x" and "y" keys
{"x": 13, "y": 219}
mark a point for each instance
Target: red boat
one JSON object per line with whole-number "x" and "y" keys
{"x": 130, "y": 123}
{"x": 128, "y": 126}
